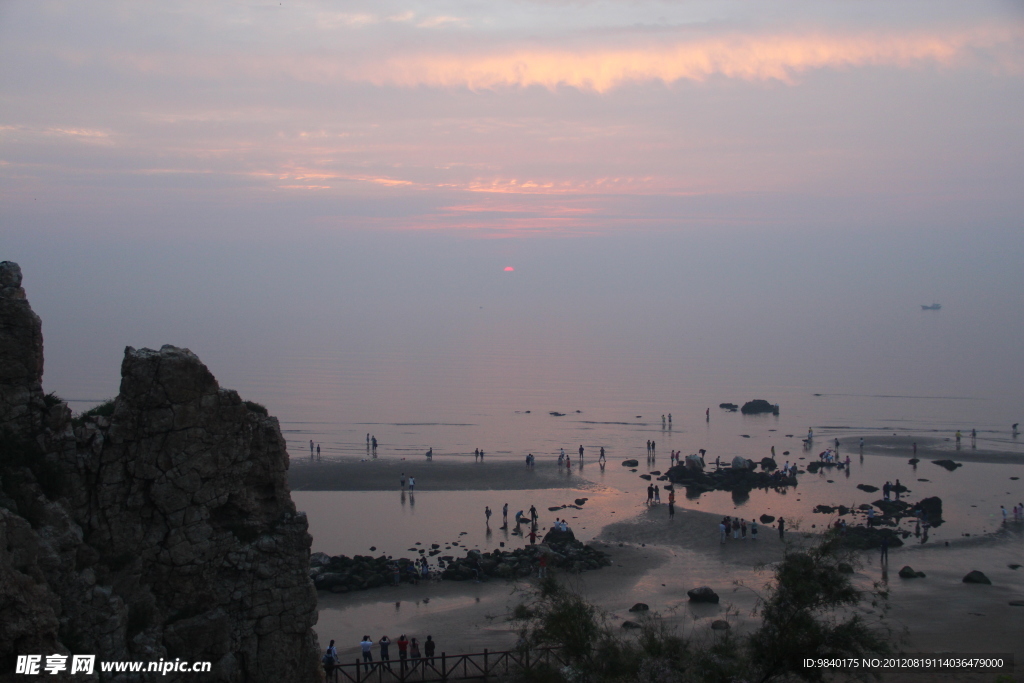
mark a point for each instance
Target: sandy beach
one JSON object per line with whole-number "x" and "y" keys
{"x": 383, "y": 474}
{"x": 656, "y": 560}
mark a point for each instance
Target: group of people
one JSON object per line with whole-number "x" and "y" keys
{"x": 889, "y": 489}
{"x": 418, "y": 570}
{"x": 739, "y": 528}
{"x": 654, "y": 498}
{"x": 409, "y": 655}
{"x": 831, "y": 457}
{"x": 1018, "y": 513}
{"x": 412, "y": 483}
{"x": 477, "y": 455}
{"x": 371, "y": 443}
{"x": 650, "y": 449}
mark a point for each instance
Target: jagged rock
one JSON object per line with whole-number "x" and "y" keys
{"x": 767, "y": 464}
{"x": 630, "y": 463}
{"x": 639, "y": 607}
{"x": 557, "y": 536}
{"x": 741, "y": 463}
{"x": 720, "y": 625}
{"x": 932, "y": 509}
{"x": 767, "y": 519}
{"x": 702, "y": 594}
{"x": 163, "y": 529}
{"x": 977, "y": 577}
{"x": 645, "y": 476}
{"x": 758, "y": 406}
{"x": 948, "y": 464}
{"x": 908, "y": 572}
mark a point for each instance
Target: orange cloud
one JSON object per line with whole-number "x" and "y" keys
{"x": 738, "y": 56}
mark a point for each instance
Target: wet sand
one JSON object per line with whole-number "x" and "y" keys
{"x": 656, "y": 561}
{"x": 928, "y": 448}
{"x": 383, "y": 474}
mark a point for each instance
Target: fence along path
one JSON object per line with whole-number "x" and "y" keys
{"x": 478, "y": 666}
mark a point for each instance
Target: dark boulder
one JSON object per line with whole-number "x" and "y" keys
{"x": 720, "y": 625}
{"x": 702, "y": 594}
{"x": 630, "y": 463}
{"x": 759, "y": 406}
{"x": 630, "y": 624}
{"x": 768, "y": 464}
{"x": 645, "y": 476}
{"x": 732, "y": 407}
{"x": 948, "y": 464}
{"x": 867, "y": 487}
{"x": 557, "y": 536}
{"x": 909, "y": 573}
{"x": 581, "y": 501}
{"x": 977, "y": 577}
{"x": 932, "y": 509}
{"x": 767, "y": 519}
{"x": 639, "y": 607}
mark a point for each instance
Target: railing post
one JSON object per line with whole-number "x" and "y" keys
{"x": 486, "y": 670}
{"x": 444, "y": 668}
{"x": 358, "y": 676}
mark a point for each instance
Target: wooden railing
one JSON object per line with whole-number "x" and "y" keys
{"x": 478, "y": 666}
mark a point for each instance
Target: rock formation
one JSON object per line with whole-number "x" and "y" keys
{"x": 164, "y": 529}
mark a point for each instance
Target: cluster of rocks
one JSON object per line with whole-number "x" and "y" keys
{"x": 341, "y": 574}
{"x": 739, "y": 480}
{"x": 731, "y": 407}
{"x": 561, "y": 548}
{"x": 162, "y": 530}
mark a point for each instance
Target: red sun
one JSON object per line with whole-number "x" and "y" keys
{"x": 509, "y": 269}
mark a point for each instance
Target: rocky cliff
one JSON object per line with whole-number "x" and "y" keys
{"x": 160, "y": 527}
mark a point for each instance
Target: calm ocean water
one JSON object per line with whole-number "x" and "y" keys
{"x": 428, "y": 342}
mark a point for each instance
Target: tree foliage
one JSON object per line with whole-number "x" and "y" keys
{"x": 810, "y": 608}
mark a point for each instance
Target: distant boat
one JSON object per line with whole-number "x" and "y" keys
{"x": 933, "y": 307}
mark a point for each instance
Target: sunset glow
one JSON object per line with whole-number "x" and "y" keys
{"x": 606, "y": 118}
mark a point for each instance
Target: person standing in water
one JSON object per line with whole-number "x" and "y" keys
{"x": 707, "y": 415}
{"x": 958, "y": 438}
{"x": 670, "y": 420}
{"x": 318, "y": 451}
{"x": 601, "y": 459}
{"x": 581, "y": 454}
{"x": 311, "y": 449}
{"x": 974, "y": 438}
{"x": 782, "y": 529}
{"x": 487, "y": 514}
{"x": 504, "y": 516}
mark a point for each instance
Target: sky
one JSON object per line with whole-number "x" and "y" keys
{"x": 511, "y": 118}
{"x": 775, "y": 186}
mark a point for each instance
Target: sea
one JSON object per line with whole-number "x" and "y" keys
{"x": 532, "y": 345}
